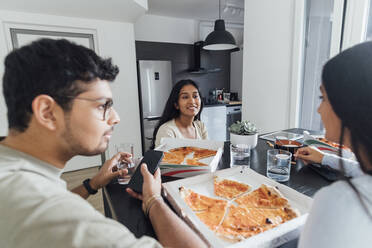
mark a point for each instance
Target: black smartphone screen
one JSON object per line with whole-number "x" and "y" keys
{"x": 152, "y": 159}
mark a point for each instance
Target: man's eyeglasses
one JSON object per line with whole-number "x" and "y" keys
{"x": 106, "y": 106}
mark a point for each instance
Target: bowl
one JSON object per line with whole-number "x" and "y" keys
{"x": 288, "y": 145}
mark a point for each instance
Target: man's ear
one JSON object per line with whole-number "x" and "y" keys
{"x": 44, "y": 110}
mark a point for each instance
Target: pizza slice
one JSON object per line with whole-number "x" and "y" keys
{"x": 172, "y": 158}
{"x": 184, "y": 151}
{"x": 193, "y": 161}
{"x": 212, "y": 217}
{"x": 199, "y": 202}
{"x": 200, "y": 153}
{"x": 260, "y": 218}
{"x": 228, "y": 188}
{"x": 273, "y": 216}
{"x": 241, "y": 222}
{"x": 235, "y": 235}
{"x": 239, "y": 218}
{"x": 263, "y": 197}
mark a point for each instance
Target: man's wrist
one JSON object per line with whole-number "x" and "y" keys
{"x": 93, "y": 184}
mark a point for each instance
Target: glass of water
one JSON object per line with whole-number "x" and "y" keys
{"x": 240, "y": 155}
{"x": 278, "y": 165}
{"x": 121, "y": 165}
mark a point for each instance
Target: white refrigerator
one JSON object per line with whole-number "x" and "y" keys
{"x": 236, "y": 72}
{"x": 154, "y": 85}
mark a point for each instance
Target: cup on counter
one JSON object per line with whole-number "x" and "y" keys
{"x": 121, "y": 165}
{"x": 278, "y": 165}
{"x": 226, "y": 97}
{"x": 240, "y": 155}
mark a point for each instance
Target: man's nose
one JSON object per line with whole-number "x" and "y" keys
{"x": 114, "y": 117}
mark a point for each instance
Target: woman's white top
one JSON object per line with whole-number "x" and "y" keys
{"x": 351, "y": 166}
{"x": 170, "y": 129}
{"x": 337, "y": 218}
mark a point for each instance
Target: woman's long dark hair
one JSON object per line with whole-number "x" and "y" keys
{"x": 170, "y": 112}
{"x": 347, "y": 80}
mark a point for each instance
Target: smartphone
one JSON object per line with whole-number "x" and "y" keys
{"x": 152, "y": 159}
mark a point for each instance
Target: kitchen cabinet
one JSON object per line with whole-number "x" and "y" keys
{"x": 214, "y": 118}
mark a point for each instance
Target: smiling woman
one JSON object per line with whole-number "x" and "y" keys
{"x": 181, "y": 115}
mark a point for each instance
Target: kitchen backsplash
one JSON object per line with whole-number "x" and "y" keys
{"x": 182, "y": 59}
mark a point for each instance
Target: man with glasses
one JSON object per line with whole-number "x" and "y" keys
{"x": 60, "y": 105}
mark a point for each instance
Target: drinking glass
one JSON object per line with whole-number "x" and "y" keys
{"x": 278, "y": 165}
{"x": 121, "y": 165}
{"x": 240, "y": 155}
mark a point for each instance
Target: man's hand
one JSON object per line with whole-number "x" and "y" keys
{"x": 309, "y": 155}
{"x": 170, "y": 230}
{"x": 109, "y": 170}
{"x": 151, "y": 184}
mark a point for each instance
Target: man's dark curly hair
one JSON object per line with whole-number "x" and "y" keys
{"x": 51, "y": 67}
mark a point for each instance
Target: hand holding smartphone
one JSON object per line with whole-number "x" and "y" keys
{"x": 152, "y": 159}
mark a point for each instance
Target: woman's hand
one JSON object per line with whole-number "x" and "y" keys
{"x": 151, "y": 184}
{"x": 309, "y": 155}
{"x": 109, "y": 170}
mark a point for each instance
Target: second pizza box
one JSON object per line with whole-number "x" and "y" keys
{"x": 203, "y": 184}
{"x": 184, "y": 170}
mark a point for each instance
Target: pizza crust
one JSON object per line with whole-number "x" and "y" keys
{"x": 229, "y": 189}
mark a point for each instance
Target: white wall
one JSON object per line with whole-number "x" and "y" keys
{"x": 116, "y": 40}
{"x": 165, "y": 29}
{"x": 179, "y": 30}
{"x": 273, "y": 38}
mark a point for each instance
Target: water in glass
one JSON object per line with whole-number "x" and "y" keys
{"x": 278, "y": 165}
{"x": 240, "y": 155}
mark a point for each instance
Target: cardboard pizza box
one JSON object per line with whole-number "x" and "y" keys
{"x": 184, "y": 170}
{"x": 313, "y": 140}
{"x": 203, "y": 184}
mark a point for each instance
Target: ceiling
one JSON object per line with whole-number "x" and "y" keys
{"x": 112, "y": 10}
{"x": 129, "y": 10}
{"x": 231, "y": 10}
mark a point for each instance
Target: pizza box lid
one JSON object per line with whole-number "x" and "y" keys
{"x": 203, "y": 184}
{"x": 184, "y": 170}
{"x": 313, "y": 140}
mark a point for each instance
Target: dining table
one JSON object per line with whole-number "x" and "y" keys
{"x": 119, "y": 205}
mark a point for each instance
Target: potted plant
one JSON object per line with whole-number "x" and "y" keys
{"x": 243, "y": 132}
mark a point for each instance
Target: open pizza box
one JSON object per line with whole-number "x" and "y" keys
{"x": 184, "y": 170}
{"x": 313, "y": 141}
{"x": 203, "y": 184}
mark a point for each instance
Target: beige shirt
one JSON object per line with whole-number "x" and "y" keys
{"x": 36, "y": 210}
{"x": 170, "y": 129}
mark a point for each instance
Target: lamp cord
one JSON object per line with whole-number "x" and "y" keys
{"x": 219, "y": 9}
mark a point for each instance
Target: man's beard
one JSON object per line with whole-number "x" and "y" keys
{"x": 76, "y": 147}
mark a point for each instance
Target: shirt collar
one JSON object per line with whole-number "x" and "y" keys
{"x": 29, "y": 163}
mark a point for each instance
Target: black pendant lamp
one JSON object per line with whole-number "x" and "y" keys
{"x": 219, "y": 39}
